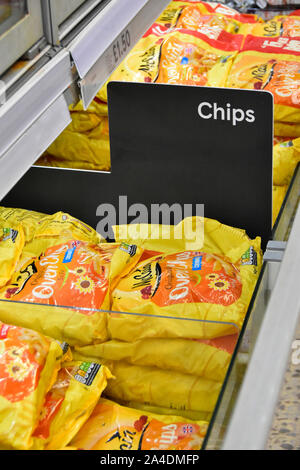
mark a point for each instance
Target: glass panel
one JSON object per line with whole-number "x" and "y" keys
{"x": 176, "y": 370}
{"x": 11, "y": 11}
{"x": 247, "y": 339}
{"x": 238, "y": 366}
{"x": 286, "y": 216}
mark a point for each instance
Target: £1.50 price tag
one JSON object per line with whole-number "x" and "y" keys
{"x": 121, "y": 46}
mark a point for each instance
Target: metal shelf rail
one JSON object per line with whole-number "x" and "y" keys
{"x": 252, "y": 416}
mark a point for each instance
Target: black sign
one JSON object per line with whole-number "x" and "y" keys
{"x": 173, "y": 144}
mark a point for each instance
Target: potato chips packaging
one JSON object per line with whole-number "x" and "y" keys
{"x": 187, "y": 293}
{"x": 75, "y": 148}
{"x": 205, "y": 358}
{"x": 287, "y": 129}
{"x": 43, "y": 231}
{"x": 286, "y": 155}
{"x": 271, "y": 65}
{"x": 29, "y": 363}
{"x": 12, "y": 241}
{"x": 177, "y": 57}
{"x": 114, "y": 427}
{"x": 69, "y": 403}
{"x": 162, "y": 388}
{"x": 188, "y": 14}
{"x": 278, "y": 26}
{"x": 188, "y": 56}
{"x": 279, "y": 193}
{"x": 72, "y": 281}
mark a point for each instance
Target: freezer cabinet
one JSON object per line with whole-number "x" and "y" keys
{"x": 21, "y": 26}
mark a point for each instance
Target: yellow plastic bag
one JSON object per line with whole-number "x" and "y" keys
{"x": 187, "y": 57}
{"x": 204, "y": 358}
{"x": 158, "y": 387}
{"x": 82, "y": 150}
{"x": 268, "y": 29}
{"x": 29, "y": 363}
{"x": 74, "y": 276}
{"x": 114, "y": 427}
{"x": 29, "y": 220}
{"x": 271, "y": 65}
{"x": 287, "y": 129}
{"x": 179, "y": 292}
{"x": 290, "y": 25}
{"x": 286, "y": 156}
{"x": 84, "y": 121}
{"x": 69, "y": 403}
{"x": 189, "y": 14}
{"x": 279, "y": 193}
{"x": 212, "y": 24}
{"x": 12, "y": 241}
{"x": 43, "y": 231}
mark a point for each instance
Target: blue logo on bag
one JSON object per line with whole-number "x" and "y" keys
{"x": 69, "y": 255}
{"x": 197, "y": 263}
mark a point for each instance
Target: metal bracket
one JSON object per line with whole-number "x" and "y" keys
{"x": 115, "y": 30}
{"x": 275, "y": 251}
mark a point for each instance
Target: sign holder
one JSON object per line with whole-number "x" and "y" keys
{"x": 172, "y": 144}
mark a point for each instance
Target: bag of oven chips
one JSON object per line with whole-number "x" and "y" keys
{"x": 69, "y": 403}
{"x": 279, "y": 193}
{"x": 286, "y": 129}
{"x": 187, "y": 57}
{"x": 211, "y": 24}
{"x": 286, "y": 156}
{"x": 43, "y": 231}
{"x": 185, "y": 292}
{"x": 163, "y": 388}
{"x": 29, "y": 363}
{"x": 74, "y": 148}
{"x": 271, "y": 65}
{"x": 176, "y": 57}
{"x": 70, "y": 283}
{"x": 115, "y": 427}
{"x": 11, "y": 245}
{"x": 204, "y": 358}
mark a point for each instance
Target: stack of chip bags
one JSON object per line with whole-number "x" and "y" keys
{"x": 273, "y": 65}
{"x": 66, "y": 269}
{"x": 29, "y": 363}
{"x": 175, "y": 317}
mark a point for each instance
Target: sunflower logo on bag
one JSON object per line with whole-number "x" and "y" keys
{"x": 85, "y": 285}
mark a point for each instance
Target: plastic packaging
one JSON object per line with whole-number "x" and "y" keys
{"x": 29, "y": 363}
{"x": 114, "y": 427}
{"x": 69, "y": 403}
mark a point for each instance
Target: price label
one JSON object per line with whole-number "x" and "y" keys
{"x": 121, "y": 46}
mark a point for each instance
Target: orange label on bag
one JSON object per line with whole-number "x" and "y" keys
{"x": 264, "y": 72}
{"x": 151, "y": 434}
{"x": 187, "y": 277}
{"x": 73, "y": 274}
{"x": 115, "y": 427}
